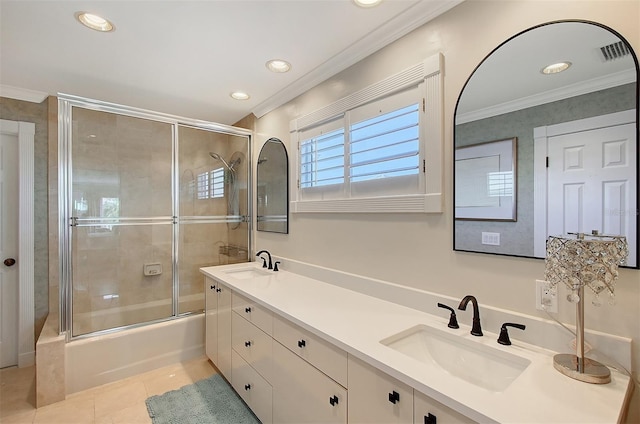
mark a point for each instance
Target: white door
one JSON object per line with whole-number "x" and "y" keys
{"x": 592, "y": 183}
{"x": 8, "y": 249}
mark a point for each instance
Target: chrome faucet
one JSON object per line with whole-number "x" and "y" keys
{"x": 476, "y": 329}
{"x": 264, "y": 262}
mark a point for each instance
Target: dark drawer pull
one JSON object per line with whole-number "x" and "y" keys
{"x": 333, "y": 400}
{"x": 247, "y": 386}
{"x": 301, "y": 343}
{"x": 394, "y": 397}
{"x": 430, "y": 419}
{"x": 218, "y": 290}
{"x": 247, "y": 343}
{"x": 247, "y": 310}
{"x": 213, "y": 287}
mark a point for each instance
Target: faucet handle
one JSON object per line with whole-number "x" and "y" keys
{"x": 264, "y": 262}
{"x": 453, "y": 321}
{"x": 504, "y": 334}
{"x": 275, "y": 266}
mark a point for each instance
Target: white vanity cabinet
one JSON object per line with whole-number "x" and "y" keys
{"x": 428, "y": 411}
{"x": 218, "y": 325}
{"x": 252, "y": 352}
{"x": 302, "y": 393}
{"x": 375, "y": 397}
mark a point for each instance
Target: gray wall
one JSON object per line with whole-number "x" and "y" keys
{"x": 516, "y": 238}
{"x": 16, "y": 110}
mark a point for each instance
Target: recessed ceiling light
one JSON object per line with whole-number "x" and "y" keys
{"x": 278, "y": 65}
{"x": 367, "y": 3}
{"x": 239, "y": 95}
{"x": 94, "y": 22}
{"x": 555, "y": 68}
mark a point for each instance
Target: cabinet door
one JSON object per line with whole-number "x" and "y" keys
{"x": 428, "y": 411}
{"x": 302, "y": 394}
{"x": 375, "y": 397}
{"x": 253, "y": 344}
{"x": 224, "y": 330}
{"x": 211, "y": 319}
{"x": 252, "y": 388}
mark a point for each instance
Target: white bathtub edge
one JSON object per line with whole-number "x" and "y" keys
{"x": 103, "y": 359}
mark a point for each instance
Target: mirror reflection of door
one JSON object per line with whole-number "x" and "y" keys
{"x": 509, "y": 96}
{"x": 272, "y": 188}
{"x": 590, "y": 179}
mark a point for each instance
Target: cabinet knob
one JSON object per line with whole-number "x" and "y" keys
{"x": 333, "y": 400}
{"x": 430, "y": 419}
{"x": 301, "y": 343}
{"x": 247, "y": 387}
{"x": 247, "y": 343}
{"x": 394, "y": 397}
{"x": 218, "y": 290}
{"x": 213, "y": 287}
{"x": 247, "y": 310}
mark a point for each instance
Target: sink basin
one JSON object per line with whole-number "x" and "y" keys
{"x": 248, "y": 273}
{"x": 476, "y": 363}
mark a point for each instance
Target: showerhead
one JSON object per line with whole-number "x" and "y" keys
{"x": 236, "y": 159}
{"x": 221, "y": 159}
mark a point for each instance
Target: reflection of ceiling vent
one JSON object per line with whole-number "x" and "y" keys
{"x": 614, "y": 51}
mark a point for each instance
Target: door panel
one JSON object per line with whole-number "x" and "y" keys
{"x": 592, "y": 183}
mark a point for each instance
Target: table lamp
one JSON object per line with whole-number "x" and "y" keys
{"x": 579, "y": 260}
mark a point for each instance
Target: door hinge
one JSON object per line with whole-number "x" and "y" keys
{"x": 424, "y": 166}
{"x": 298, "y": 183}
{"x": 424, "y": 104}
{"x": 547, "y": 161}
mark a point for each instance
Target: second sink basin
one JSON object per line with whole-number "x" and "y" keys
{"x": 247, "y": 273}
{"x": 476, "y": 363}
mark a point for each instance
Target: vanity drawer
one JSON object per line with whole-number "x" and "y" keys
{"x": 253, "y": 344}
{"x": 323, "y": 355}
{"x": 252, "y": 388}
{"x": 253, "y": 312}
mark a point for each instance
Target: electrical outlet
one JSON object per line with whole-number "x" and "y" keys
{"x": 492, "y": 239}
{"x": 546, "y": 297}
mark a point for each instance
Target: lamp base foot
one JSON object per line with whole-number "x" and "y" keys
{"x": 594, "y": 371}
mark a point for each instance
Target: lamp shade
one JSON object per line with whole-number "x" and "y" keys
{"x": 578, "y": 260}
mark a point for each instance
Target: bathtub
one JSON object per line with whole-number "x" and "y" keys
{"x": 110, "y": 357}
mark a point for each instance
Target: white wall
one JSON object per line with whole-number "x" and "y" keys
{"x": 417, "y": 250}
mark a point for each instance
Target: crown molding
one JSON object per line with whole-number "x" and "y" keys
{"x": 585, "y": 87}
{"x": 24, "y": 94}
{"x": 407, "y": 21}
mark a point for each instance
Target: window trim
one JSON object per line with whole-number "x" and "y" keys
{"x": 428, "y": 76}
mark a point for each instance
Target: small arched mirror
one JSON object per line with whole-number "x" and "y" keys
{"x": 545, "y": 152}
{"x": 273, "y": 188}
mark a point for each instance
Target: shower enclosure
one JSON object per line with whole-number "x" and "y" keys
{"x": 146, "y": 199}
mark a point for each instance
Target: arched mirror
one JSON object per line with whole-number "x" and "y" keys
{"x": 545, "y": 151}
{"x": 273, "y": 183}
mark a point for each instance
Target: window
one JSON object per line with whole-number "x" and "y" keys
{"x": 210, "y": 185}
{"x": 386, "y": 146}
{"x": 377, "y": 150}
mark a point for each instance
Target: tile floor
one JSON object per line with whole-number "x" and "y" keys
{"x": 118, "y": 402}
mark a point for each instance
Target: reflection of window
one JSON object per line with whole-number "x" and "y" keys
{"x": 500, "y": 183}
{"x": 109, "y": 208}
{"x": 210, "y": 184}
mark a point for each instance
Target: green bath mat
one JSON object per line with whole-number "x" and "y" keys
{"x": 208, "y": 401}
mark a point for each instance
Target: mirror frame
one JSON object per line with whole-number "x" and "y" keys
{"x": 286, "y": 182}
{"x": 637, "y": 130}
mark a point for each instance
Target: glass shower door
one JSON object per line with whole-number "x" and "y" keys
{"x": 213, "y": 203}
{"x": 122, "y": 220}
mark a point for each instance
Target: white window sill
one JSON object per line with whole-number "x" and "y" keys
{"x": 417, "y": 203}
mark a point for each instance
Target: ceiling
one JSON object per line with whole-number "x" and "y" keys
{"x": 510, "y": 78}
{"x": 185, "y": 57}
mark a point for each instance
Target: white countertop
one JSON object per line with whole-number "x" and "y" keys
{"x": 357, "y": 322}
